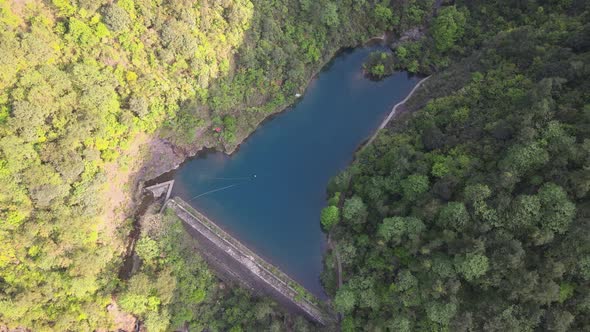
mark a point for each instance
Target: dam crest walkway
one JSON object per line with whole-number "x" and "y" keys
{"x": 233, "y": 260}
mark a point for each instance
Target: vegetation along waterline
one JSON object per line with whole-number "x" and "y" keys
{"x": 469, "y": 214}
{"x": 270, "y": 192}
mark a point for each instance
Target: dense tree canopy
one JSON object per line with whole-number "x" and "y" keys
{"x": 448, "y": 27}
{"x": 79, "y": 81}
{"x": 475, "y": 207}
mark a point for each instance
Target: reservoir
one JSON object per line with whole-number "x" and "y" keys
{"x": 270, "y": 192}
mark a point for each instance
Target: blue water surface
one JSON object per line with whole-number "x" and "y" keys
{"x": 269, "y": 193}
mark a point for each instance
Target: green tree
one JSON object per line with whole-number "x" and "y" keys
{"x": 454, "y": 215}
{"x": 345, "y": 300}
{"x": 139, "y": 298}
{"x": 558, "y": 211}
{"x": 383, "y": 16}
{"x": 139, "y": 105}
{"x": 448, "y": 27}
{"x": 157, "y": 322}
{"x": 521, "y": 159}
{"x": 414, "y": 185}
{"x": 354, "y": 210}
{"x": 116, "y": 18}
{"x": 329, "y": 217}
{"x": 392, "y": 228}
{"x": 472, "y": 265}
{"x": 330, "y": 15}
{"x": 406, "y": 281}
{"x": 559, "y": 320}
{"x": 147, "y": 249}
{"x": 525, "y": 211}
{"x": 378, "y": 70}
{"x": 441, "y": 313}
{"x": 401, "y": 324}
{"x": 401, "y": 52}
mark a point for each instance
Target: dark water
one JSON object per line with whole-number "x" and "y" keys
{"x": 272, "y": 190}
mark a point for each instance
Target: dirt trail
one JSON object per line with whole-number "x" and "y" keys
{"x": 338, "y": 262}
{"x": 394, "y": 110}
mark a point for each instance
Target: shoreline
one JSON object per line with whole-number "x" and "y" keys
{"x": 173, "y": 156}
{"x": 393, "y": 112}
{"x": 190, "y": 152}
{"x": 161, "y": 151}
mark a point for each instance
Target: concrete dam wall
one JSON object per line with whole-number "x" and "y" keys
{"x": 231, "y": 259}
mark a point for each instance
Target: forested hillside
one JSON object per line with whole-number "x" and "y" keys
{"x": 85, "y": 84}
{"x": 472, "y": 213}
{"x": 79, "y": 81}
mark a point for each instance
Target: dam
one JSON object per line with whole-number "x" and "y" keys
{"x": 234, "y": 262}
{"x": 234, "y": 259}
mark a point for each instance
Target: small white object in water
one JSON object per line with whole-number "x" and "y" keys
{"x": 254, "y": 175}
{"x": 297, "y": 95}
